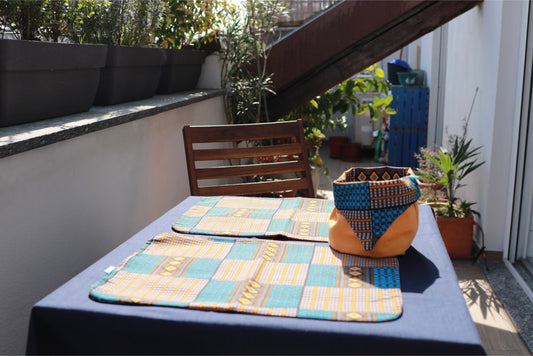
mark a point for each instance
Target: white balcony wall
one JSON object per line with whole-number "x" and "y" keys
{"x": 65, "y": 205}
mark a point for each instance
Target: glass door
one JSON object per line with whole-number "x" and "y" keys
{"x": 521, "y": 242}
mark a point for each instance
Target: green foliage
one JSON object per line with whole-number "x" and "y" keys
{"x": 449, "y": 166}
{"x": 49, "y": 20}
{"x": 23, "y": 17}
{"x": 314, "y": 137}
{"x": 90, "y": 21}
{"x": 327, "y": 111}
{"x": 452, "y": 166}
{"x": 55, "y": 19}
{"x": 119, "y": 22}
{"x": 191, "y": 22}
{"x": 128, "y": 22}
{"x": 455, "y": 165}
{"x": 427, "y": 171}
{"x": 244, "y": 73}
{"x": 138, "y": 22}
{"x": 116, "y": 22}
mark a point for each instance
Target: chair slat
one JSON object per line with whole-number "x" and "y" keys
{"x": 256, "y": 132}
{"x": 246, "y": 152}
{"x": 254, "y": 188}
{"x": 250, "y": 170}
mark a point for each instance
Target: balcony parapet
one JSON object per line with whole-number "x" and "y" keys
{"x": 20, "y": 138}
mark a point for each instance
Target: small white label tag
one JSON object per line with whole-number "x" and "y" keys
{"x": 109, "y": 269}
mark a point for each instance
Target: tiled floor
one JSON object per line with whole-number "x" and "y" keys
{"x": 496, "y": 328}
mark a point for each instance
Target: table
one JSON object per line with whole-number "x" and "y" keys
{"x": 435, "y": 318}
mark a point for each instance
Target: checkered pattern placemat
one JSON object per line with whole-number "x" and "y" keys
{"x": 295, "y": 218}
{"x": 281, "y": 278}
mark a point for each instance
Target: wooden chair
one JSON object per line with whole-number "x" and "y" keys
{"x": 251, "y": 159}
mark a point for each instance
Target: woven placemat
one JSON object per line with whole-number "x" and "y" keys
{"x": 255, "y": 276}
{"x": 294, "y": 218}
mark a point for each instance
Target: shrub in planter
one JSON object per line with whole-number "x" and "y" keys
{"x": 40, "y": 80}
{"x": 132, "y": 69}
{"x": 187, "y": 25}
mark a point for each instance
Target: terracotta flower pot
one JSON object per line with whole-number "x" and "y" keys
{"x": 335, "y": 145}
{"x": 457, "y": 235}
{"x": 351, "y": 152}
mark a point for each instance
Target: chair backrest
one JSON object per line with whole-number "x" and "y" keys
{"x": 249, "y": 159}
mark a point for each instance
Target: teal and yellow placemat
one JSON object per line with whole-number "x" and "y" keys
{"x": 295, "y": 218}
{"x": 281, "y": 278}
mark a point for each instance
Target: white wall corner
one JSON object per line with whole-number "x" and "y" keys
{"x": 210, "y": 77}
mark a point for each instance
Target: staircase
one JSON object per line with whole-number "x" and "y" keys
{"x": 301, "y": 11}
{"x": 345, "y": 38}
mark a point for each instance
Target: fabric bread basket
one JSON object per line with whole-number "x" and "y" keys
{"x": 376, "y": 211}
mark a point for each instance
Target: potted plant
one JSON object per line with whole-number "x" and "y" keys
{"x": 429, "y": 177}
{"x": 41, "y": 78}
{"x": 335, "y": 145}
{"x": 187, "y": 27}
{"x": 455, "y": 217}
{"x": 132, "y": 67}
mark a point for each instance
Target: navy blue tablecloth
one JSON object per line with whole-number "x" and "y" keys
{"x": 435, "y": 318}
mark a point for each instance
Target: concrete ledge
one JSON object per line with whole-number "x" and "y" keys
{"x": 20, "y": 138}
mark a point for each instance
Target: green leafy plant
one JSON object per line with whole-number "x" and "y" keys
{"x": 427, "y": 171}
{"x": 245, "y": 55}
{"x": 314, "y": 138}
{"x": 117, "y": 22}
{"x": 454, "y": 165}
{"x": 55, "y": 19}
{"x": 449, "y": 166}
{"x": 429, "y": 176}
{"x": 89, "y": 21}
{"x": 23, "y": 17}
{"x": 78, "y": 21}
{"x": 191, "y": 22}
{"x": 327, "y": 111}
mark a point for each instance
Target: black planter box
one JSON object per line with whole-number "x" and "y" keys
{"x": 130, "y": 73}
{"x": 181, "y": 70}
{"x": 41, "y": 80}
